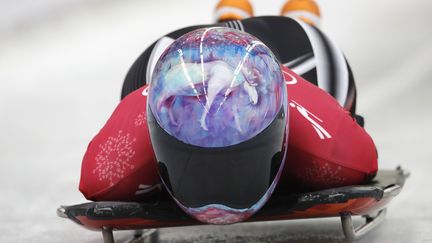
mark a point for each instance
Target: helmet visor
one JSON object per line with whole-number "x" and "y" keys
{"x": 235, "y": 177}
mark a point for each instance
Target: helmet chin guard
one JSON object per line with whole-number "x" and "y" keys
{"x": 217, "y": 117}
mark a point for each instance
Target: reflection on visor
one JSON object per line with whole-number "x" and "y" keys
{"x": 220, "y": 185}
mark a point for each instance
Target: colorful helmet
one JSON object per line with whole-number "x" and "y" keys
{"x": 217, "y": 115}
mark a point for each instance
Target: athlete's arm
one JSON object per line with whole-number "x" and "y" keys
{"x": 326, "y": 147}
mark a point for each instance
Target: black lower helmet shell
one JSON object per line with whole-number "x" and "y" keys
{"x": 217, "y": 112}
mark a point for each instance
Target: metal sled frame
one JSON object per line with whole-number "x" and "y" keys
{"x": 369, "y": 201}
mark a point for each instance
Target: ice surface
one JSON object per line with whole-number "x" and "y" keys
{"x": 60, "y": 79}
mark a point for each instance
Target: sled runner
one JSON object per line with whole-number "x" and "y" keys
{"x": 369, "y": 201}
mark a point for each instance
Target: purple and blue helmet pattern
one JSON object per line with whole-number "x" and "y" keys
{"x": 216, "y": 87}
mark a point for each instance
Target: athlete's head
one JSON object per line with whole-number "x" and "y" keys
{"x": 217, "y": 118}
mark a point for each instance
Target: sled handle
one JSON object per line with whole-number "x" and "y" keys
{"x": 61, "y": 212}
{"x": 392, "y": 191}
{"x": 352, "y": 233}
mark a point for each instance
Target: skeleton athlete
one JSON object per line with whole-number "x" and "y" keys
{"x": 327, "y": 146}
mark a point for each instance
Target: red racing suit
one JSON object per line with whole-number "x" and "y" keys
{"x": 327, "y": 148}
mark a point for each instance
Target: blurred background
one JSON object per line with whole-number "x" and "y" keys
{"x": 62, "y": 63}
